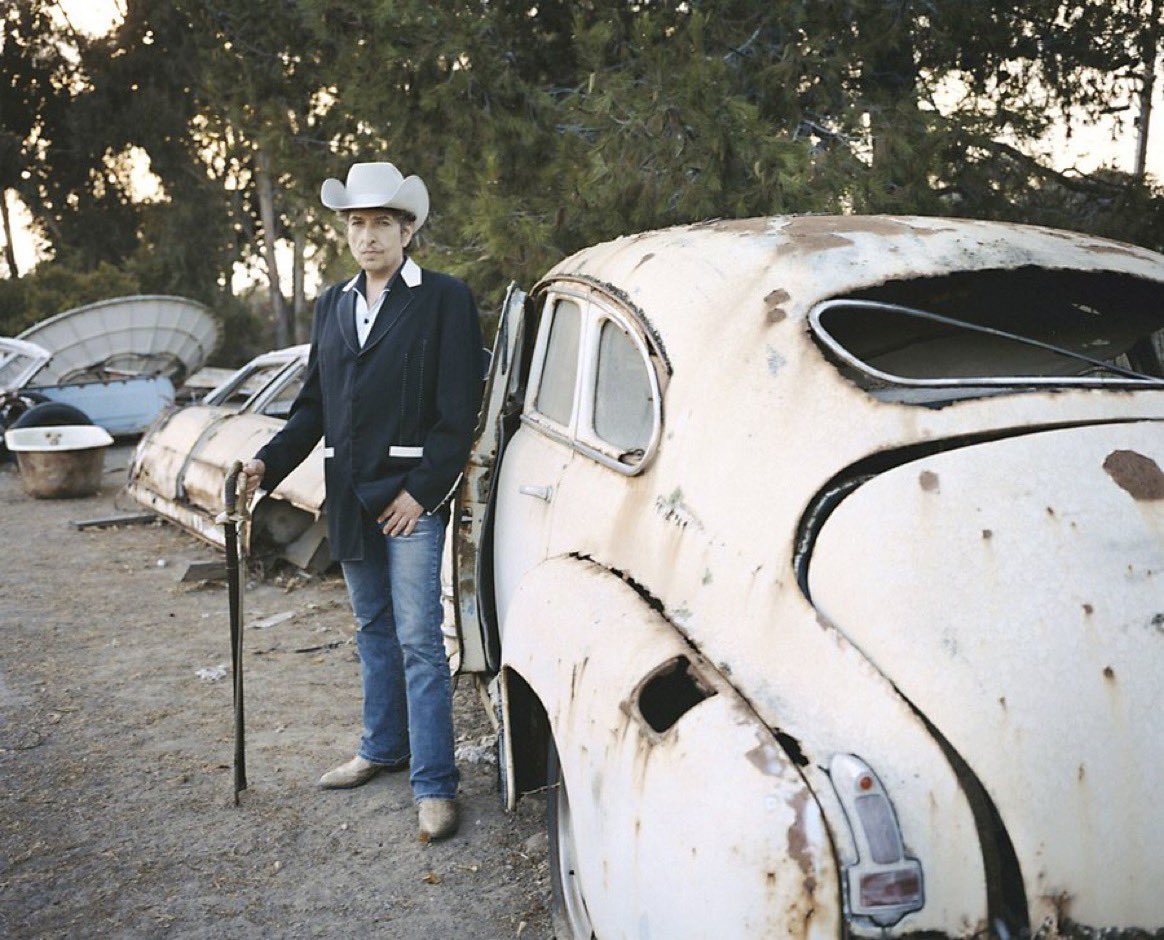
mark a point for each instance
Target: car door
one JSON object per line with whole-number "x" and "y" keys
{"x": 472, "y": 555}
{"x": 523, "y": 447}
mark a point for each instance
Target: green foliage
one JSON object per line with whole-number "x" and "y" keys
{"x": 57, "y": 287}
{"x": 544, "y": 128}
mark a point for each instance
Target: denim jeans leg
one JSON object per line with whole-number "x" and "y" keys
{"x": 385, "y": 738}
{"x": 414, "y": 565}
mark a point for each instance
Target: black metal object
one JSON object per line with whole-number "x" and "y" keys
{"x": 232, "y": 521}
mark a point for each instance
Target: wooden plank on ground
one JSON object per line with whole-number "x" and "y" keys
{"x": 205, "y": 571}
{"x": 104, "y": 522}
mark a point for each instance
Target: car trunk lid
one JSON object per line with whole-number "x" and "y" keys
{"x": 1013, "y": 591}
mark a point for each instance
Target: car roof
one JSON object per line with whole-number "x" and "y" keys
{"x": 765, "y": 270}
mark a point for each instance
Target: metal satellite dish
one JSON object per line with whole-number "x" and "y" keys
{"x": 146, "y": 334}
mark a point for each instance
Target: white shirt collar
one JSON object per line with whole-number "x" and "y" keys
{"x": 410, "y": 273}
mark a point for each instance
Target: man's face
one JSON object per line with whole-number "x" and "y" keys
{"x": 377, "y": 240}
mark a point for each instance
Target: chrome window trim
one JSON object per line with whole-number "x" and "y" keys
{"x": 835, "y": 347}
{"x": 260, "y": 399}
{"x": 595, "y": 309}
{"x": 587, "y": 439}
{"x": 529, "y": 410}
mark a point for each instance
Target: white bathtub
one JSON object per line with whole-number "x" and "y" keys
{"x": 60, "y": 462}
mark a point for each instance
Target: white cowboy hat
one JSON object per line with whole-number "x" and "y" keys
{"x": 377, "y": 186}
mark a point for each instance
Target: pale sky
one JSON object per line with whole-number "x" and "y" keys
{"x": 94, "y": 17}
{"x": 1087, "y": 148}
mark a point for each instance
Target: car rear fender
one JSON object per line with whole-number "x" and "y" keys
{"x": 690, "y": 819}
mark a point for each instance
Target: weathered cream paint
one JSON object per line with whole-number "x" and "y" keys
{"x": 755, "y": 424}
{"x": 706, "y": 829}
{"x": 1025, "y": 577}
{"x": 180, "y": 467}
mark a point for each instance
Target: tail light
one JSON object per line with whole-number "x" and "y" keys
{"x": 885, "y": 884}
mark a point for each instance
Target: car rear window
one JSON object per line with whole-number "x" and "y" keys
{"x": 623, "y": 403}
{"x": 1029, "y": 326}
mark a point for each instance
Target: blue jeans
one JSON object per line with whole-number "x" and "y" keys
{"x": 395, "y": 592}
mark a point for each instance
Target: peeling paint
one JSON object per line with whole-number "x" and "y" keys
{"x": 758, "y": 226}
{"x": 675, "y": 511}
{"x": 1139, "y": 476}
{"x": 809, "y": 234}
{"x": 776, "y": 361}
{"x": 767, "y": 757}
{"x": 809, "y": 244}
{"x": 798, "y": 846}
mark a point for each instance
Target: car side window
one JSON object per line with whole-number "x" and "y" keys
{"x": 555, "y": 397}
{"x": 279, "y": 404}
{"x": 243, "y": 386}
{"x": 623, "y": 403}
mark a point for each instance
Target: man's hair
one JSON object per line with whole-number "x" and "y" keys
{"x": 402, "y": 216}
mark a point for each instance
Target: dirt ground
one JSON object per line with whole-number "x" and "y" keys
{"x": 117, "y": 816}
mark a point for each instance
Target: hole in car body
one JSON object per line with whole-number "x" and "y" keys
{"x": 669, "y": 693}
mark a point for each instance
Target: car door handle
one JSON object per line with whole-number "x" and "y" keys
{"x": 537, "y": 492}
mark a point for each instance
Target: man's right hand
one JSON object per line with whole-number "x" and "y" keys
{"x": 253, "y": 471}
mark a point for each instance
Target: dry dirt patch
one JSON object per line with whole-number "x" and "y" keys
{"x": 116, "y": 801}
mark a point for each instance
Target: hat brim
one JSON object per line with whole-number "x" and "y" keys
{"x": 411, "y": 196}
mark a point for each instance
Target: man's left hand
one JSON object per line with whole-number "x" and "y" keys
{"x": 400, "y": 516}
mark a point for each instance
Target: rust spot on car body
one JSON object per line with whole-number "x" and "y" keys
{"x": 1139, "y": 476}
{"x": 773, "y": 305}
{"x": 928, "y": 481}
{"x": 809, "y": 234}
{"x": 798, "y": 846}
{"x": 757, "y": 226}
{"x": 1115, "y": 249}
{"x": 767, "y": 758}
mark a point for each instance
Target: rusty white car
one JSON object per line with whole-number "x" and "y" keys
{"x": 180, "y": 465}
{"x": 820, "y": 566}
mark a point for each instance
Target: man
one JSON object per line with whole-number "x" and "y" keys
{"x": 393, "y": 386}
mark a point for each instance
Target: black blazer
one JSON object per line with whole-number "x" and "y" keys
{"x": 398, "y": 413}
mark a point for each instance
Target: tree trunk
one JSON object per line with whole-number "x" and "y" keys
{"x": 9, "y": 250}
{"x": 298, "y": 298}
{"x": 1150, "y": 45}
{"x": 265, "y": 191}
{"x": 889, "y": 77}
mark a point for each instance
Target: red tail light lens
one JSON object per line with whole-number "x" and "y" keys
{"x": 891, "y": 887}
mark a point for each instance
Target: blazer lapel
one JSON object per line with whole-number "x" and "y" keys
{"x": 397, "y": 302}
{"x": 346, "y": 311}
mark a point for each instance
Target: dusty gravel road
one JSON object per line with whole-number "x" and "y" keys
{"x": 116, "y": 801}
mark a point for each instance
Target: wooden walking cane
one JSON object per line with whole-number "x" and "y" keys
{"x": 233, "y": 521}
